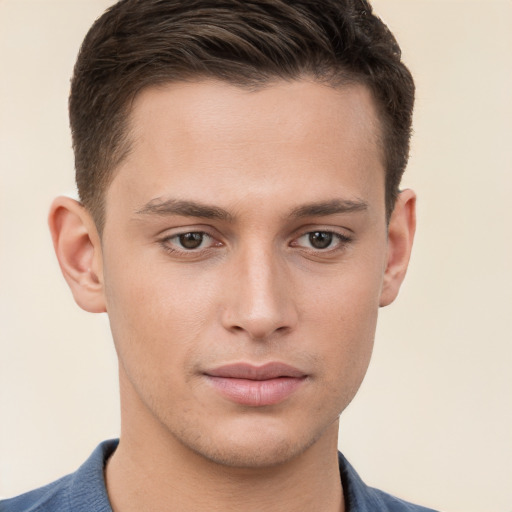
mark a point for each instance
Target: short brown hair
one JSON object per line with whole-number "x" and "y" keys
{"x": 139, "y": 43}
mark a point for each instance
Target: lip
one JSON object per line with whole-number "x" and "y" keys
{"x": 256, "y": 386}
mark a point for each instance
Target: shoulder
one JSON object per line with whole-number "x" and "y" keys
{"x": 361, "y": 498}
{"x": 389, "y": 503}
{"x": 82, "y": 491}
{"x": 51, "y": 497}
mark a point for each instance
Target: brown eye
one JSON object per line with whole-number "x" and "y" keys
{"x": 191, "y": 244}
{"x": 191, "y": 240}
{"x": 320, "y": 239}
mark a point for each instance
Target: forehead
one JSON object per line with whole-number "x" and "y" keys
{"x": 297, "y": 108}
{"x": 212, "y": 138}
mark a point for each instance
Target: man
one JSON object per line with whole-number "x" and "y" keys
{"x": 240, "y": 221}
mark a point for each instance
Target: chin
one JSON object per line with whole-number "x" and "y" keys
{"x": 251, "y": 455}
{"x": 252, "y": 448}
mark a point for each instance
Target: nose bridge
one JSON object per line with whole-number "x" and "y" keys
{"x": 261, "y": 300}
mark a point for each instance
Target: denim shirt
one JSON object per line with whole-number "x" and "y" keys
{"x": 84, "y": 491}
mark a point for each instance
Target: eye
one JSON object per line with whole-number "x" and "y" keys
{"x": 191, "y": 241}
{"x": 321, "y": 240}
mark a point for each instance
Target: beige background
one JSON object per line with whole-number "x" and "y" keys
{"x": 433, "y": 420}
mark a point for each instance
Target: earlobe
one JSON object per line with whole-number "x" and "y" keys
{"x": 78, "y": 249}
{"x": 402, "y": 226}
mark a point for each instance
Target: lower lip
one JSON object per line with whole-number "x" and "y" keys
{"x": 256, "y": 393}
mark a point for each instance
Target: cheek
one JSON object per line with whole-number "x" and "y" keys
{"x": 343, "y": 322}
{"x": 155, "y": 328}
{"x": 348, "y": 342}
{"x": 155, "y": 317}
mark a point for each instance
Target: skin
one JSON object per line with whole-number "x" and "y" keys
{"x": 257, "y": 289}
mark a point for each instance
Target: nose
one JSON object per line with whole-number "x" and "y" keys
{"x": 260, "y": 301}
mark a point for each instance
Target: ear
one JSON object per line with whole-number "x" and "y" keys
{"x": 78, "y": 249}
{"x": 402, "y": 226}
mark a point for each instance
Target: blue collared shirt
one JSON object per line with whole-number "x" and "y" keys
{"x": 84, "y": 491}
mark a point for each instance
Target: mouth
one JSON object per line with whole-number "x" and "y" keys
{"x": 256, "y": 386}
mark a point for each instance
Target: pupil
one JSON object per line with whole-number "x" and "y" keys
{"x": 320, "y": 239}
{"x": 191, "y": 240}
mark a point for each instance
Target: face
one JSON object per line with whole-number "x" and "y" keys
{"x": 243, "y": 256}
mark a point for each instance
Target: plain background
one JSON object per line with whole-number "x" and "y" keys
{"x": 433, "y": 420}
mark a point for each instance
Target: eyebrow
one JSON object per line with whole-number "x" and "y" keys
{"x": 333, "y": 207}
{"x": 183, "y": 208}
{"x": 205, "y": 211}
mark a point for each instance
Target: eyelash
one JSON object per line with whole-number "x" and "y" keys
{"x": 342, "y": 241}
{"x": 165, "y": 243}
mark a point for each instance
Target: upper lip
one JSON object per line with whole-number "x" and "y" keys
{"x": 272, "y": 370}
